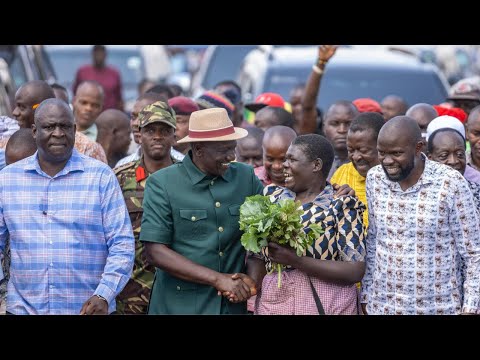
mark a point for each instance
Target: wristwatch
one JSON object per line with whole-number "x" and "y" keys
{"x": 101, "y": 297}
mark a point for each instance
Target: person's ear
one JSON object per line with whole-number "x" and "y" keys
{"x": 34, "y": 131}
{"x": 317, "y": 165}
{"x": 419, "y": 146}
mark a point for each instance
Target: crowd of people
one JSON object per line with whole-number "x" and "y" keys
{"x": 94, "y": 223}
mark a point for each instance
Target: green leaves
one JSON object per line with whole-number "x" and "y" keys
{"x": 280, "y": 222}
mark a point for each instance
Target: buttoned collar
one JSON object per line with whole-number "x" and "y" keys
{"x": 75, "y": 163}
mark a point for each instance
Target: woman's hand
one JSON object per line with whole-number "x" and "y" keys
{"x": 282, "y": 254}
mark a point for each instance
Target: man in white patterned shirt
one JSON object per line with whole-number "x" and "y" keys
{"x": 423, "y": 248}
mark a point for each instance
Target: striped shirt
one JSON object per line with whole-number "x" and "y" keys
{"x": 70, "y": 235}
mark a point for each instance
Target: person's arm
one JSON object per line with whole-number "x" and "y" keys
{"x": 161, "y": 256}
{"x": 465, "y": 229}
{"x": 308, "y": 122}
{"x": 371, "y": 245}
{"x": 349, "y": 235}
{"x": 157, "y": 235}
{"x": 119, "y": 238}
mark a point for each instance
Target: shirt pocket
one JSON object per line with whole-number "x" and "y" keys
{"x": 234, "y": 211}
{"x": 194, "y": 221}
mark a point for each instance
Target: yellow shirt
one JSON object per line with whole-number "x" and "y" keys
{"x": 346, "y": 174}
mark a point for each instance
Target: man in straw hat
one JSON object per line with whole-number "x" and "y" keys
{"x": 190, "y": 223}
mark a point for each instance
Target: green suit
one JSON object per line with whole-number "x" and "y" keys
{"x": 196, "y": 216}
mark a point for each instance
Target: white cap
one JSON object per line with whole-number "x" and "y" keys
{"x": 445, "y": 121}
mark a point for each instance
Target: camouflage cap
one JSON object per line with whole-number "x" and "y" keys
{"x": 159, "y": 111}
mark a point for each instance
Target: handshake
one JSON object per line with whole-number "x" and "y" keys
{"x": 237, "y": 287}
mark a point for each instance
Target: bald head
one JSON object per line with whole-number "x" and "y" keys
{"x": 280, "y": 132}
{"x": 422, "y": 113}
{"x": 20, "y": 145}
{"x": 270, "y": 116}
{"x": 393, "y": 105}
{"x": 58, "y": 105}
{"x": 27, "y": 97}
{"x": 400, "y": 128}
{"x": 114, "y": 134}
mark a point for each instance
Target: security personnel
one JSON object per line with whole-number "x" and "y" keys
{"x": 157, "y": 124}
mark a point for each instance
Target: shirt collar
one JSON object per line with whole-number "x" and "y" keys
{"x": 196, "y": 175}
{"x": 75, "y": 163}
{"x": 91, "y": 131}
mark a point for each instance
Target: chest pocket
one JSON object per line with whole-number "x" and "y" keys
{"x": 234, "y": 211}
{"x": 194, "y": 221}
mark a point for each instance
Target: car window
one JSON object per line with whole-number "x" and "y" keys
{"x": 225, "y": 64}
{"x": 350, "y": 84}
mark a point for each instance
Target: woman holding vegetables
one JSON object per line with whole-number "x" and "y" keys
{"x": 335, "y": 261}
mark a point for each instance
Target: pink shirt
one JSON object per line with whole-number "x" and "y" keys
{"x": 110, "y": 80}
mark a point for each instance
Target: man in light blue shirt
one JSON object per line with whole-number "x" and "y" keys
{"x": 71, "y": 239}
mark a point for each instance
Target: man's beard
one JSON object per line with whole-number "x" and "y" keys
{"x": 403, "y": 174}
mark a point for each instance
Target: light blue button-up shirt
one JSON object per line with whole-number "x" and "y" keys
{"x": 70, "y": 235}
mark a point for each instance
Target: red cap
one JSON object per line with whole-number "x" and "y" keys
{"x": 266, "y": 99}
{"x": 183, "y": 105}
{"x": 367, "y": 105}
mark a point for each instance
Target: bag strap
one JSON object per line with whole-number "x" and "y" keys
{"x": 317, "y": 299}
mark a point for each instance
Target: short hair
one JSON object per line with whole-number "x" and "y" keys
{"x": 284, "y": 117}
{"x": 317, "y": 147}
{"x": 438, "y": 131}
{"x": 161, "y": 88}
{"x": 254, "y": 133}
{"x": 229, "y": 83}
{"x": 21, "y": 143}
{"x": 367, "y": 121}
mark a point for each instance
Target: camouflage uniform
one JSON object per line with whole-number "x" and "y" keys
{"x": 132, "y": 177}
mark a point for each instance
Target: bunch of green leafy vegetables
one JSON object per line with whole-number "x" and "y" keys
{"x": 263, "y": 221}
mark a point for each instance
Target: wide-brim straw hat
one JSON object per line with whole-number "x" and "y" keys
{"x": 212, "y": 125}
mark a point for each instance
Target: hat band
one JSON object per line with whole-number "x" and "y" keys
{"x": 211, "y": 133}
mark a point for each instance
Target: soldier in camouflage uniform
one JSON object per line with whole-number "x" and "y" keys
{"x": 157, "y": 128}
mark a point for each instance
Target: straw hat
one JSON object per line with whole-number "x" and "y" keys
{"x": 212, "y": 125}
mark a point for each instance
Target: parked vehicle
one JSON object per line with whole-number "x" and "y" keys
{"x": 134, "y": 62}
{"x": 352, "y": 73}
{"x": 220, "y": 62}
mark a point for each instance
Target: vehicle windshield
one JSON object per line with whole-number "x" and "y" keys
{"x": 344, "y": 83}
{"x": 225, "y": 64}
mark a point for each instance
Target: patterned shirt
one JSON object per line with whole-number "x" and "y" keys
{"x": 91, "y": 132}
{"x": 262, "y": 175}
{"x": 135, "y": 296}
{"x": 90, "y": 148}
{"x": 423, "y": 248}
{"x": 347, "y": 174}
{"x": 340, "y": 218}
{"x": 70, "y": 235}
{"x": 475, "y": 188}
{"x": 472, "y": 174}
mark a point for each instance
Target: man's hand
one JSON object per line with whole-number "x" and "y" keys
{"x": 325, "y": 52}
{"x": 235, "y": 289}
{"x": 343, "y": 190}
{"x": 94, "y": 306}
{"x": 247, "y": 280}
